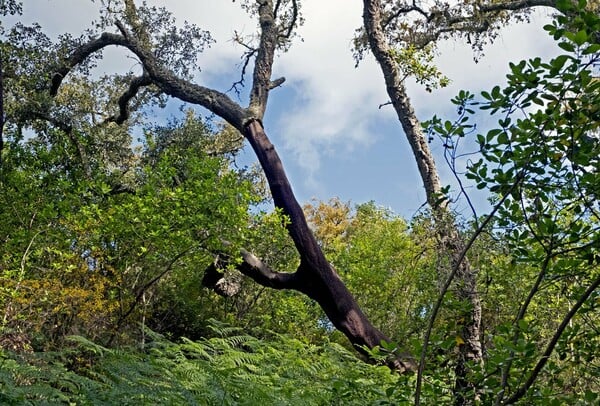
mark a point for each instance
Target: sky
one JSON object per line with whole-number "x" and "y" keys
{"x": 325, "y": 120}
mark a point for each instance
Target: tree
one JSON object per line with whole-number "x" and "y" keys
{"x": 167, "y": 57}
{"x": 145, "y": 221}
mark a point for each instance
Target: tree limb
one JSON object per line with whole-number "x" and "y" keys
{"x": 516, "y": 5}
{"x": 282, "y": 194}
{"x": 263, "y": 65}
{"x": 290, "y": 28}
{"x": 262, "y": 274}
{"x": 253, "y": 268}
{"x": 215, "y": 101}
{"x": 458, "y": 18}
{"x": 134, "y": 86}
{"x": 276, "y": 83}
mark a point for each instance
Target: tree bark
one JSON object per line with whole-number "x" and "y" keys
{"x": 450, "y": 240}
{"x": 315, "y": 276}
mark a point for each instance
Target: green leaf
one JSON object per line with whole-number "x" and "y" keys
{"x": 581, "y": 37}
{"x": 567, "y": 46}
{"x": 592, "y": 49}
{"x": 559, "y": 62}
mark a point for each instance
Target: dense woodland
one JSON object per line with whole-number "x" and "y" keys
{"x": 140, "y": 264}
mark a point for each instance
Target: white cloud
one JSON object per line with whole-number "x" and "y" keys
{"x": 335, "y": 103}
{"x": 335, "y": 106}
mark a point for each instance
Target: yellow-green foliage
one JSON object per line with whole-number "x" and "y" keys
{"x": 418, "y": 63}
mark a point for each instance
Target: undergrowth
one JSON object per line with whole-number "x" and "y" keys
{"x": 230, "y": 369}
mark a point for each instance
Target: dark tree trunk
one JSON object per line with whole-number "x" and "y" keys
{"x": 315, "y": 276}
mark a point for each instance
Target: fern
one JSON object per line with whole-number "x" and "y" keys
{"x": 235, "y": 369}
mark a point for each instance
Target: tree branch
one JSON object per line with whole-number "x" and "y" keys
{"x": 263, "y": 275}
{"x": 456, "y": 19}
{"x": 276, "y": 83}
{"x": 516, "y": 5}
{"x": 215, "y": 101}
{"x": 252, "y": 267}
{"x": 282, "y": 194}
{"x": 134, "y": 86}
{"x": 293, "y": 20}
{"x": 263, "y": 65}
{"x": 404, "y": 10}
{"x": 246, "y": 57}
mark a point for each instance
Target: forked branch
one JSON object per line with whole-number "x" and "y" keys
{"x": 134, "y": 87}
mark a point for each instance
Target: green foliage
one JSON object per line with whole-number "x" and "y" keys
{"x": 541, "y": 163}
{"x": 103, "y": 236}
{"x": 230, "y": 369}
{"x": 98, "y": 253}
{"x": 388, "y": 268}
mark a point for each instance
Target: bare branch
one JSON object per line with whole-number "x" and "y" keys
{"x": 262, "y": 274}
{"x": 276, "y": 8}
{"x": 252, "y": 267}
{"x": 247, "y": 57}
{"x": 404, "y": 10}
{"x": 263, "y": 64}
{"x": 276, "y": 83}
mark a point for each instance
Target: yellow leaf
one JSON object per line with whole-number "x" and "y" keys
{"x": 459, "y": 340}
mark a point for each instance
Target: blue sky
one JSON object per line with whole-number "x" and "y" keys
{"x": 325, "y": 120}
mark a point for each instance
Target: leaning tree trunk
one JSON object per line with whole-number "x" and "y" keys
{"x": 450, "y": 240}
{"x": 315, "y": 276}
